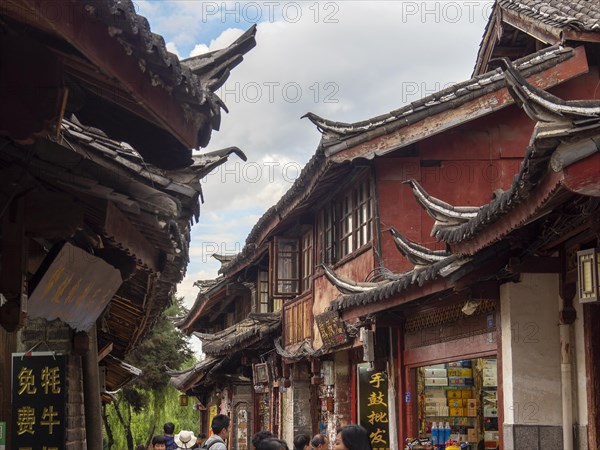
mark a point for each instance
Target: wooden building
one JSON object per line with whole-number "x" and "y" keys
{"x": 423, "y": 258}
{"x": 99, "y": 190}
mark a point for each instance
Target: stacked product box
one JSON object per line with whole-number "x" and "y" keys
{"x": 460, "y": 373}
{"x": 436, "y": 375}
{"x": 435, "y": 403}
{"x": 490, "y": 373}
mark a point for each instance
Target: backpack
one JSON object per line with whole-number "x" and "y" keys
{"x": 206, "y": 447}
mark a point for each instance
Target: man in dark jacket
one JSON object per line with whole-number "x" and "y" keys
{"x": 169, "y": 430}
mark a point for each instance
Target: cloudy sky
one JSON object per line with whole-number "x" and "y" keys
{"x": 346, "y": 61}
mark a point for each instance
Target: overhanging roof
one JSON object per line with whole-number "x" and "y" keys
{"x": 548, "y": 21}
{"x": 121, "y": 78}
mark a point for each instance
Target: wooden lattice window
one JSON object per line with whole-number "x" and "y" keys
{"x": 307, "y": 259}
{"x": 328, "y": 236}
{"x": 287, "y": 266}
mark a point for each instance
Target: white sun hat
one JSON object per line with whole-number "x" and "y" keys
{"x": 185, "y": 439}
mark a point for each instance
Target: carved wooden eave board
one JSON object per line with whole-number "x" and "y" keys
{"x": 514, "y": 27}
{"x": 118, "y": 75}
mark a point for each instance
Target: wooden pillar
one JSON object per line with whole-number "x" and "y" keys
{"x": 8, "y": 345}
{"x": 91, "y": 394}
{"x": 591, "y": 313}
{"x": 13, "y": 284}
{"x": 13, "y": 266}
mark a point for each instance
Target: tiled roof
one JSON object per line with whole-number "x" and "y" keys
{"x": 415, "y": 277}
{"x": 185, "y": 79}
{"x": 336, "y": 133}
{"x": 241, "y": 335}
{"x": 558, "y": 121}
{"x": 185, "y": 379}
{"x": 580, "y": 15}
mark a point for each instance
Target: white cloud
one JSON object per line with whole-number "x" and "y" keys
{"x": 199, "y": 49}
{"x": 173, "y": 48}
{"x": 348, "y": 61}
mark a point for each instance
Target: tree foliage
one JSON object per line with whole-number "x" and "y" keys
{"x": 139, "y": 411}
{"x": 165, "y": 345}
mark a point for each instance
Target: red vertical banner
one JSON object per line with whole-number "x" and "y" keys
{"x": 373, "y": 405}
{"x": 39, "y": 389}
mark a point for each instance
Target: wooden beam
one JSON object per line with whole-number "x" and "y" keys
{"x": 221, "y": 307}
{"x": 126, "y": 236}
{"x": 237, "y": 289}
{"x": 540, "y": 31}
{"x": 581, "y": 36}
{"x": 102, "y": 353}
{"x": 90, "y": 36}
{"x": 13, "y": 261}
{"x": 538, "y": 264}
{"x": 583, "y": 177}
{"x": 51, "y": 215}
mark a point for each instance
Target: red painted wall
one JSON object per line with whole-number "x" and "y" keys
{"x": 462, "y": 166}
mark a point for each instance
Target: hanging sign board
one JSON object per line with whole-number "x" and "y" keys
{"x": 75, "y": 288}
{"x": 373, "y": 406}
{"x": 332, "y": 329}
{"x": 39, "y": 390}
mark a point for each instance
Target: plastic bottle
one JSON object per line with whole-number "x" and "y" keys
{"x": 434, "y": 434}
{"x": 441, "y": 440}
{"x": 447, "y": 432}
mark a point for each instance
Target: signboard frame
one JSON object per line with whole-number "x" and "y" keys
{"x": 373, "y": 404}
{"x": 39, "y": 400}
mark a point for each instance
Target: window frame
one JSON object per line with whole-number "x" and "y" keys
{"x": 293, "y": 278}
{"x": 306, "y": 260}
{"x": 346, "y": 222}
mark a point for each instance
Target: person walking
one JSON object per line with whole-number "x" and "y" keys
{"x": 199, "y": 441}
{"x": 220, "y": 428}
{"x": 185, "y": 439}
{"x": 260, "y": 436}
{"x": 272, "y": 444}
{"x": 159, "y": 443}
{"x": 169, "y": 430}
{"x": 352, "y": 437}
{"x": 302, "y": 442}
{"x": 319, "y": 442}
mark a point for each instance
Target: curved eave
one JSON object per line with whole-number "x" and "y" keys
{"x": 442, "y": 212}
{"x": 417, "y": 254}
{"x": 346, "y": 286}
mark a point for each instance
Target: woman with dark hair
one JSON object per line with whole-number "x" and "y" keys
{"x": 272, "y": 444}
{"x": 319, "y": 442}
{"x": 352, "y": 437}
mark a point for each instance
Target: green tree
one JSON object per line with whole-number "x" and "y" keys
{"x": 139, "y": 411}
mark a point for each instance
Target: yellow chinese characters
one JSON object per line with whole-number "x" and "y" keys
{"x": 376, "y": 379}
{"x": 51, "y": 380}
{"x": 26, "y": 381}
{"x": 49, "y": 418}
{"x": 376, "y": 398}
{"x": 377, "y": 437}
{"x": 25, "y": 420}
{"x": 379, "y": 417}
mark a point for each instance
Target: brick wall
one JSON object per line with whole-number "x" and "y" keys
{"x": 59, "y": 338}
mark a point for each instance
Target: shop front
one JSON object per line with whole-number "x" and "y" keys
{"x": 451, "y": 377}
